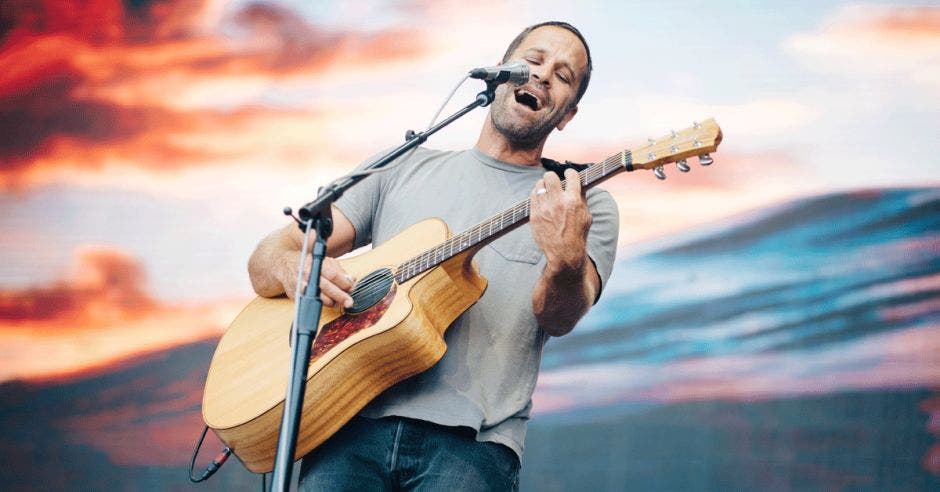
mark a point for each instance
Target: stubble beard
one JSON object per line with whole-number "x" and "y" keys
{"x": 521, "y": 134}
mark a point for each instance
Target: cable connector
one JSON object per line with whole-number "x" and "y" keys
{"x": 214, "y": 466}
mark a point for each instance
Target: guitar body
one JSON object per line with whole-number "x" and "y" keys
{"x": 392, "y": 331}
{"x": 354, "y": 357}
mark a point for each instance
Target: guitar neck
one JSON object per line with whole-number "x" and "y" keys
{"x": 699, "y": 139}
{"x": 492, "y": 228}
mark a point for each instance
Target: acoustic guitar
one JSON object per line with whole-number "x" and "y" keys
{"x": 411, "y": 289}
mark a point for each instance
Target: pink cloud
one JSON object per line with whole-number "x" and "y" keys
{"x": 100, "y": 85}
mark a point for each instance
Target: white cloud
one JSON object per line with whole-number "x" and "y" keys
{"x": 755, "y": 125}
{"x": 874, "y": 42}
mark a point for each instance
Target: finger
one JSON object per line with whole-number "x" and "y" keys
{"x": 290, "y": 286}
{"x": 552, "y": 183}
{"x": 539, "y": 188}
{"x": 335, "y": 273}
{"x": 572, "y": 182}
{"x": 331, "y": 295}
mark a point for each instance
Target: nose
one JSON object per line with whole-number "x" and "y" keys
{"x": 539, "y": 74}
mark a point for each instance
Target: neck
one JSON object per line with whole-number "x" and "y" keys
{"x": 494, "y": 144}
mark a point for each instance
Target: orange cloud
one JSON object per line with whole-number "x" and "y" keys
{"x": 736, "y": 182}
{"x": 105, "y": 85}
{"x": 922, "y": 21}
{"x": 100, "y": 313}
{"x": 107, "y": 285}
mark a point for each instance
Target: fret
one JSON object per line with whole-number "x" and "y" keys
{"x": 494, "y": 226}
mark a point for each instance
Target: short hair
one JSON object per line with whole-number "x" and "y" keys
{"x": 582, "y": 88}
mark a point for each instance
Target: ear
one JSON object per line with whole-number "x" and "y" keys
{"x": 564, "y": 121}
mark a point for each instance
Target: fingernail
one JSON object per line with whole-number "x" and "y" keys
{"x": 348, "y": 303}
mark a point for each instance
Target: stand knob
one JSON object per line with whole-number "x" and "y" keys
{"x": 290, "y": 213}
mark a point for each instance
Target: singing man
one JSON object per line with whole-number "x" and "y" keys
{"x": 461, "y": 424}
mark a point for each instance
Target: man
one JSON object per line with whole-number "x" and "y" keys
{"x": 461, "y": 424}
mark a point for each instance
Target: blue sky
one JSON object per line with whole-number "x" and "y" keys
{"x": 249, "y": 107}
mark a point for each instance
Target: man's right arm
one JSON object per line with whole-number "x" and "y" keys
{"x": 272, "y": 267}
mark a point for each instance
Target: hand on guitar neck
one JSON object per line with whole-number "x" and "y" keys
{"x": 560, "y": 222}
{"x": 273, "y": 265}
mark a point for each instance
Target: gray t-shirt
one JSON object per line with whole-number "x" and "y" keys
{"x": 486, "y": 378}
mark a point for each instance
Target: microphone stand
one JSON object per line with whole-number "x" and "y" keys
{"x": 317, "y": 216}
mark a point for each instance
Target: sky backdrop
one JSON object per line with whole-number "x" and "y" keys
{"x": 146, "y": 147}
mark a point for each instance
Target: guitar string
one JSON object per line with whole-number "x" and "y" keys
{"x": 376, "y": 281}
{"x": 464, "y": 240}
{"x": 485, "y": 229}
{"x": 496, "y": 224}
{"x": 588, "y": 177}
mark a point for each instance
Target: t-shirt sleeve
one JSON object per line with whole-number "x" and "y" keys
{"x": 603, "y": 235}
{"x": 360, "y": 203}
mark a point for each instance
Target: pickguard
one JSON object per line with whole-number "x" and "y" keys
{"x": 334, "y": 332}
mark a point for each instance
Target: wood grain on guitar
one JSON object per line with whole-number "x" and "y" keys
{"x": 395, "y": 333}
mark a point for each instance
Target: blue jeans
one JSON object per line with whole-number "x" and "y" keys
{"x": 395, "y": 453}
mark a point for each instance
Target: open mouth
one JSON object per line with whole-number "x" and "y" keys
{"x": 527, "y": 99}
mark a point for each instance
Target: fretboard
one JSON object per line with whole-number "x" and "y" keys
{"x": 503, "y": 222}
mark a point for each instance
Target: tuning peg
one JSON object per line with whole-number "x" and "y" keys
{"x": 673, "y": 134}
{"x": 705, "y": 159}
{"x": 651, "y": 141}
{"x": 696, "y": 125}
{"x": 659, "y": 172}
{"x": 683, "y": 166}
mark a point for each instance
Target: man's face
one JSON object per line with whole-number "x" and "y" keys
{"x": 527, "y": 114}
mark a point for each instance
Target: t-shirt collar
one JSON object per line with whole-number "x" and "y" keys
{"x": 502, "y": 165}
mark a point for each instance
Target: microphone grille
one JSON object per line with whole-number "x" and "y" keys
{"x": 518, "y": 72}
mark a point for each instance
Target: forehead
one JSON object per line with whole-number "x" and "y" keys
{"x": 558, "y": 42}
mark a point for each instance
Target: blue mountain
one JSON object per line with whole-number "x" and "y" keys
{"x": 807, "y": 274}
{"x": 808, "y": 277}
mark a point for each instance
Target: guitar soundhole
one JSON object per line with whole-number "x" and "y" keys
{"x": 375, "y": 293}
{"x": 370, "y": 290}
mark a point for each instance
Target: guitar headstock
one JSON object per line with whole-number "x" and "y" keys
{"x": 700, "y": 140}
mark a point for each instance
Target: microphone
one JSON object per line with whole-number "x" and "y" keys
{"x": 515, "y": 72}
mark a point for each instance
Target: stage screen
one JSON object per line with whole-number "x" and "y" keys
{"x": 772, "y": 321}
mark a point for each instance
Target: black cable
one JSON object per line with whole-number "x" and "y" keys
{"x": 264, "y": 487}
{"x": 214, "y": 466}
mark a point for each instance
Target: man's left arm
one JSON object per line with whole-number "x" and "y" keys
{"x": 570, "y": 281}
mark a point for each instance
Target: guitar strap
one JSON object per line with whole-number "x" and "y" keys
{"x": 559, "y": 168}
